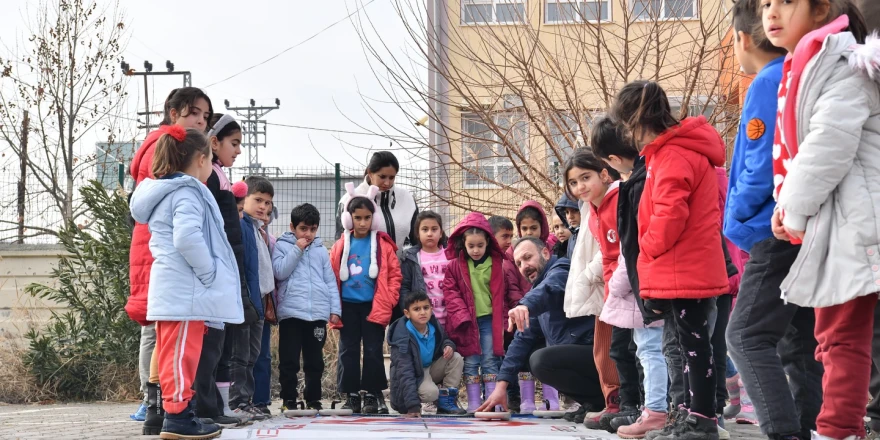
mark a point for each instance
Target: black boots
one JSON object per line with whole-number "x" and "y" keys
{"x": 187, "y": 426}
{"x": 155, "y": 414}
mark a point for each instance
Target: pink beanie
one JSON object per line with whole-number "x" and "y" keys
{"x": 239, "y": 189}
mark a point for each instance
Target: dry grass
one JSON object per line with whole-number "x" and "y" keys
{"x": 16, "y": 383}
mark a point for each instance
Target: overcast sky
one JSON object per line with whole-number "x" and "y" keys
{"x": 318, "y": 82}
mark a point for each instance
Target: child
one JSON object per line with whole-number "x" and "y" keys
{"x": 479, "y": 288}
{"x": 531, "y": 221}
{"x": 192, "y": 250}
{"x": 423, "y": 266}
{"x": 502, "y": 229}
{"x": 247, "y": 338}
{"x": 307, "y": 299}
{"x": 186, "y": 107}
{"x": 262, "y": 396}
{"x": 826, "y": 183}
{"x": 569, "y": 213}
{"x": 224, "y": 137}
{"x": 368, "y": 277}
{"x": 422, "y": 356}
{"x": 561, "y": 232}
{"x": 790, "y": 408}
{"x": 239, "y": 190}
{"x": 588, "y": 178}
{"x": 613, "y": 145}
{"x": 680, "y": 262}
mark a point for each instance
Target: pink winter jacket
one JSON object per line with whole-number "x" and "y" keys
{"x": 620, "y": 309}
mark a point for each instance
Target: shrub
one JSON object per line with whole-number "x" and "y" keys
{"x": 90, "y": 350}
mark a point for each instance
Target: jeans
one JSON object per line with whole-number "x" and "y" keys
{"x": 208, "y": 401}
{"x": 572, "y": 371}
{"x": 295, "y": 337}
{"x": 649, "y": 343}
{"x": 148, "y": 343}
{"x": 623, "y": 352}
{"x": 263, "y": 369}
{"x": 246, "y": 344}
{"x": 486, "y": 362}
{"x": 357, "y": 329}
{"x": 769, "y": 340}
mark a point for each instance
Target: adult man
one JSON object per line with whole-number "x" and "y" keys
{"x": 567, "y": 362}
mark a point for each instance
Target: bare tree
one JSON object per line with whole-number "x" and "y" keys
{"x": 64, "y": 75}
{"x": 508, "y": 102}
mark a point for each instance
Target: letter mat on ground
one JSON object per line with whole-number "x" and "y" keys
{"x": 328, "y": 428}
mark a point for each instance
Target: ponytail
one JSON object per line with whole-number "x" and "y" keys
{"x": 642, "y": 106}
{"x": 176, "y": 149}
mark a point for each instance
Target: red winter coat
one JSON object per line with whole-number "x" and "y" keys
{"x": 461, "y": 314}
{"x": 387, "y": 282}
{"x": 603, "y": 226}
{"x": 679, "y": 215}
{"x": 140, "y": 259}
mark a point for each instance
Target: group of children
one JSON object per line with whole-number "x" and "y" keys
{"x": 208, "y": 279}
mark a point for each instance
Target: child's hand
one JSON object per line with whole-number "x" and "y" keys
{"x": 447, "y": 353}
{"x": 334, "y": 319}
{"x": 796, "y": 234}
{"x": 776, "y": 226}
{"x": 413, "y": 415}
{"x": 303, "y": 243}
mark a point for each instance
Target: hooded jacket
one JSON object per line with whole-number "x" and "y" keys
{"x": 387, "y": 279}
{"x": 140, "y": 259}
{"x": 194, "y": 276}
{"x": 251, "y": 263}
{"x": 458, "y": 295}
{"x": 306, "y": 283}
{"x": 232, "y": 225}
{"x": 603, "y": 226}
{"x": 549, "y": 239}
{"x": 547, "y": 320}
{"x": 406, "y": 363}
{"x": 834, "y": 181}
{"x": 678, "y": 216}
{"x": 399, "y": 212}
{"x": 621, "y": 309}
{"x": 585, "y": 286}
{"x": 560, "y": 208}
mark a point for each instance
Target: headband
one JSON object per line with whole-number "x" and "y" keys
{"x": 175, "y": 131}
{"x": 224, "y": 120}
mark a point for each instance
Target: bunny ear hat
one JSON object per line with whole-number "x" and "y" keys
{"x": 348, "y": 225}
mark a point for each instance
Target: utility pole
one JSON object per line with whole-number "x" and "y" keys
{"x": 252, "y": 128}
{"x": 148, "y": 71}
{"x": 22, "y": 182}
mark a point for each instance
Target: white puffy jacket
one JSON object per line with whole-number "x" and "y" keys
{"x": 585, "y": 288}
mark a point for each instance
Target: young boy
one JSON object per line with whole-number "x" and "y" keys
{"x": 570, "y": 215}
{"x": 502, "y": 229}
{"x": 783, "y": 408}
{"x": 423, "y": 356}
{"x": 247, "y": 338}
{"x": 307, "y": 299}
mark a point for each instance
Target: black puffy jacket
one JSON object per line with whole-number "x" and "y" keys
{"x": 232, "y": 226}
{"x": 406, "y": 363}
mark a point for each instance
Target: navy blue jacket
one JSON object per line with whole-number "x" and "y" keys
{"x": 750, "y": 201}
{"x": 251, "y": 263}
{"x": 547, "y": 320}
{"x": 565, "y": 202}
{"x": 406, "y": 363}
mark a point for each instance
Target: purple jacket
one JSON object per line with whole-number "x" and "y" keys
{"x": 620, "y": 308}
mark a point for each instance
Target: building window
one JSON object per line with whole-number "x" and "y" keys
{"x": 485, "y": 157}
{"x": 664, "y": 9}
{"x": 577, "y": 11}
{"x": 493, "y": 11}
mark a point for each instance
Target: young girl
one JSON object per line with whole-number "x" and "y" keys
{"x": 194, "y": 280}
{"x": 479, "y": 288}
{"x": 224, "y": 137}
{"x": 590, "y": 180}
{"x": 680, "y": 262}
{"x": 825, "y": 161}
{"x": 187, "y": 107}
{"x": 424, "y": 265}
{"x": 368, "y": 276}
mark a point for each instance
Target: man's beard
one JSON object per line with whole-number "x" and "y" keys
{"x": 539, "y": 270}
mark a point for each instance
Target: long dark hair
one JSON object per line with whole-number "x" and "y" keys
{"x": 459, "y": 242}
{"x": 643, "y": 106}
{"x": 430, "y": 215}
{"x": 182, "y": 99}
{"x": 381, "y": 159}
{"x": 583, "y": 158}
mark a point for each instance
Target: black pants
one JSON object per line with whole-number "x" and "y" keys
{"x": 623, "y": 352}
{"x": 691, "y": 325}
{"x": 355, "y": 329}
{"x": 208, "y": 401}
{"x": 570, "y": 369}
{"x": 719, "y": 350}
{"x": 296, "y": 336}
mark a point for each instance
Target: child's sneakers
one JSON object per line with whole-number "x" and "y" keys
{"x": 315, "y": 405}
{"x": 353, "y": 402}
{"x": 626, "y": 417}
{"x": 264, "y": 409}
{"x": 371, "y": 404}
{"x": 447, "y": 403}
{"x": 140, "y": 414}
{"x": 648, "y": 421}
{"x": 380, "y": 398}
{"x": 187, "y": 426}
{"x": 733, "y": 389}
{"x": 576, "y": 414}
{"x": 693, "y": 427}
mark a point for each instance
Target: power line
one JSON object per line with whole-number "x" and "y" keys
{"x": 292, "y": 47}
